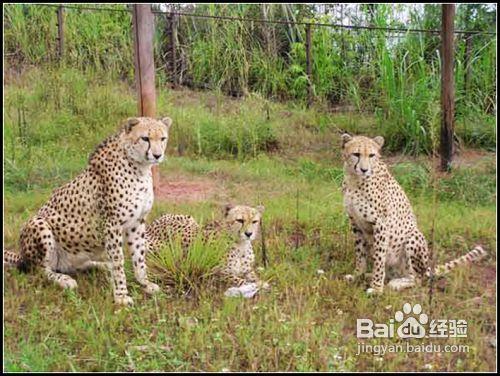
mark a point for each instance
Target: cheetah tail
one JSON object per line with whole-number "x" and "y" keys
{"x": 475, "y": 255}
{"x": 11, "y": 258}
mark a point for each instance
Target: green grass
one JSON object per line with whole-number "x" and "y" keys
{"x": 307, "y": 321}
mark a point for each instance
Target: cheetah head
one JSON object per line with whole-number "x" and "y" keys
{"x": 360, "y": 154}
{"x": 242, "y": 221}
{"x": 146, "y": 139}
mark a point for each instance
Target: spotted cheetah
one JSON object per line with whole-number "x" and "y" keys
{"x": 241, "y": 222}
{"x": 383, "y": 222}
{"x": 84, "y": 222}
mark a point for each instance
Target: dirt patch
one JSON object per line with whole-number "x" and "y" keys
{"x": 463, "y": 158}
{"x": 487, "y": 274}
{"x": 184, "y": 97}
{"x": 183, "y": 189}
{"x": 472, "y": 157}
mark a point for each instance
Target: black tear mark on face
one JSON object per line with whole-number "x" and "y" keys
{"x": 357, "y": 162}
{"x": 149, "y": 145}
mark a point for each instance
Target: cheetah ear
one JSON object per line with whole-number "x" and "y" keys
{"x": 260, "y": 208}
{"x": 379, "y": 140}
{"x": 167, "y": 121}
{"x": 227, "y": 208}
{"x": 130, "y": 123}
{"x": 346, "y": 137}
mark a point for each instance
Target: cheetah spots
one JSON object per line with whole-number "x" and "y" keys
{"x": 378, "y": 203}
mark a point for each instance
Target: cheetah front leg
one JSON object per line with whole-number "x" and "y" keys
{"x": 361, "y": 246}
{"x": 379, "y": 258}
{"x": 138, "y": 247}
{"x": 114, "y": 249}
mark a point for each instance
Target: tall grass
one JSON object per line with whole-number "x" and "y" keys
{"x": 395, "y": 76}
{"x": 99, "y": 41}
{"x": 186, "y": 270}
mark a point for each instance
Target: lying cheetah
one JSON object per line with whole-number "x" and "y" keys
{"x": 242, "y": 222}
{"x": 84, "y": 221}
{"x": 382, "y": 220}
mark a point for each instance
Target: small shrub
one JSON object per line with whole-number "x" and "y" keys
{"x": 172, "y": 266}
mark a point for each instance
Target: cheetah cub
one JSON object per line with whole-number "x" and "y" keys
{"x": 86, "y": 221}
{"x": 241, "y": 222}
{"x": 383, "y": 222}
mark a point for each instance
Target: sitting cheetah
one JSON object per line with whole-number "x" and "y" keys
{"x": 382, "y": 220}
{"x": 84, "y": 221}
{"x": 242, "y": 222}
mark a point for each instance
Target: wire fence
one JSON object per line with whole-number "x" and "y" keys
{"x": 390, "y": 71}
{"x": 276, "y": 22}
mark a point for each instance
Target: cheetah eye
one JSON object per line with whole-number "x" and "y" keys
{"x": 371, "y": 155}
{"x": 163, "y": 139}
{"x": 145, "y": 139}
{"x": 256, "y": 221}
{"x": 356, "y": 154}
{"x": 239, "y": 220}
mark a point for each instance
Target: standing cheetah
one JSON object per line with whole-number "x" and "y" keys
{"x": 382, "y": 220}
{"x": 84, "y": 222}
{"x": 241, "y": 222}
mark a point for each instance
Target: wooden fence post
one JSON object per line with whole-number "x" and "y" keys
{"x": 467, "y": 63}
{"x": 173, "y": 35}
{"x": 143, "y": 28}
{"x": 447, "y": 87}
{"x": 309, "y": 65}
{"x": 60, "y": 33}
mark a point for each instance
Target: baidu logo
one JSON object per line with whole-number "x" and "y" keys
{"x": 411, "y": 327}
{"x": 411, "y": 322}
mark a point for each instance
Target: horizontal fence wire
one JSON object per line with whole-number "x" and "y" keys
{"x": 104, "y": 9}
{"x": 282, "y": 22}
{"x": 354, "y": 27}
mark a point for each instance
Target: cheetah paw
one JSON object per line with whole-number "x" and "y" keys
{"x": 246, "y": 291}
{"x": 374, "y": 291}
{"x": 264, "y": 286}
{"x": 68, "y": 283}
{"x": 401, "y": 283}
{"x": 124, "y": 300}
{"x": 151, "y": 288}
{"x": 349, "y": 278}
